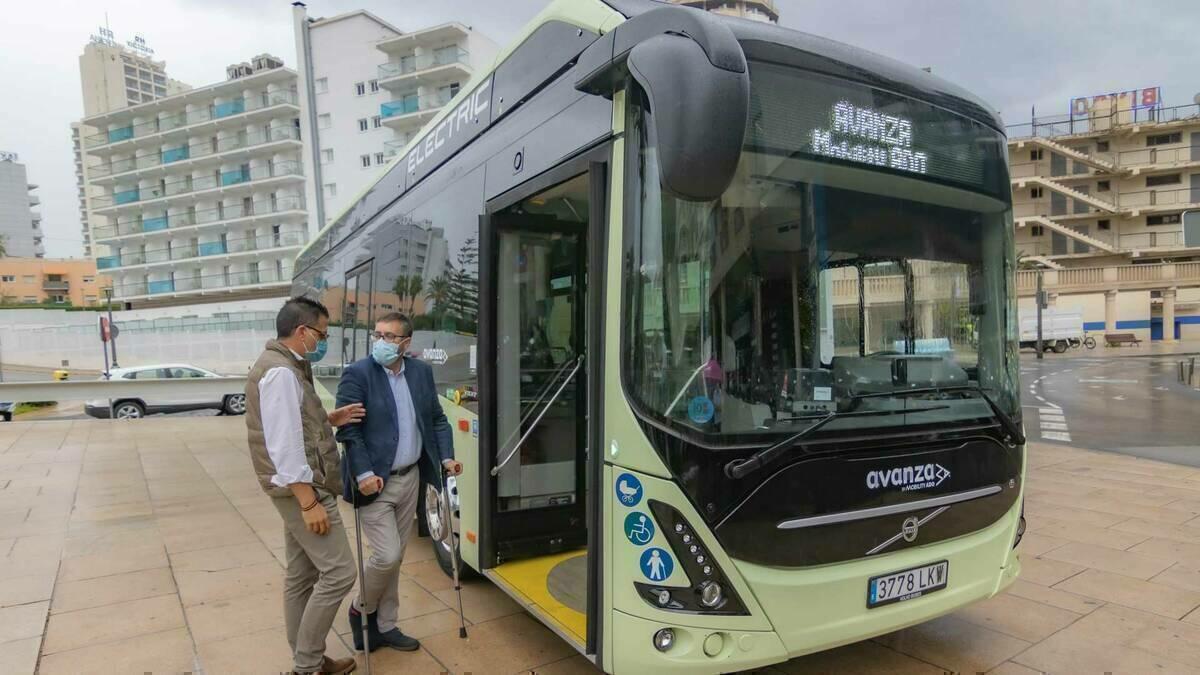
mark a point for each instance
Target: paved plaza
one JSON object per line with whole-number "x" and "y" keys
{"x": 149, "y": 547}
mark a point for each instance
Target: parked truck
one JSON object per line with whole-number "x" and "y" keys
{"x": 1061, "y": 330}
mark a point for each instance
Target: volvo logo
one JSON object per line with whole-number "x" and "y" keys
{"x": 908, "y": 529}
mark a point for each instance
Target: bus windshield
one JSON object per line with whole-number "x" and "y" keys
{"x": 863, "y": 250}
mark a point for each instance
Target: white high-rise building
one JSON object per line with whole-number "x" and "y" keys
{"x": 366, "y": 88}
{"x": 80, "y": 187}
{"x": 200, "y": 196}
{"x": 20, "y": 225}
{"x": 112, "y": 77}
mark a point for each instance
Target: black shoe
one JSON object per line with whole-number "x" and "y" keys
{"x": 397, "y": 640}
{"x": 376, "y": 638}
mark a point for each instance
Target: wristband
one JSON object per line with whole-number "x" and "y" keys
{"x": 310, "y": 506}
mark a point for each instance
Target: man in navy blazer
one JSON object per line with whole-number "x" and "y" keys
{"x": 404, "y": 440}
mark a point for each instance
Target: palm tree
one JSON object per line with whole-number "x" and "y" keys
{"x": 439, "y": 293}
{"x": 415, "y": 284}
{"x": 400, "y": 288}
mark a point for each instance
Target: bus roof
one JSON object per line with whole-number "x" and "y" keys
{"x": 761, "y": 39}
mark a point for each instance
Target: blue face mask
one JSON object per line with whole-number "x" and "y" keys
{"x": 385, "y": 353}
{"x": 318, "y": 352}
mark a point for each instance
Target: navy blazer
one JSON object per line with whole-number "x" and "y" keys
{"x": 370, "y": 445}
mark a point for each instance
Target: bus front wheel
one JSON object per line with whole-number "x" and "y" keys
{"x": 437, "y": 521}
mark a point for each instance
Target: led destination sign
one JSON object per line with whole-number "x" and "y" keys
{"x": 869, "y": 136}
{"x": 795, "y": 113}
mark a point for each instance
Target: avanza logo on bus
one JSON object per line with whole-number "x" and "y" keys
{"x": 916, "y": 477}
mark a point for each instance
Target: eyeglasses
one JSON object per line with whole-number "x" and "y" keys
{"x": 390, "y": 337}
{"x": 324, "y": 335}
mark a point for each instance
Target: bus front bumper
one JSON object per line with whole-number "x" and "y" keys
{"x": 821, "y": 608}
{"x": 826, "y": 607}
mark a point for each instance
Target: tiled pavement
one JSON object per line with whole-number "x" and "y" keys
{"x": 148, "y": 547}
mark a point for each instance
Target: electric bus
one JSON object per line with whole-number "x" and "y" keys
{"x": 723, "y": 318}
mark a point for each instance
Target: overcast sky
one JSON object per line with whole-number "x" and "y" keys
{"x": 1013, "y": 54}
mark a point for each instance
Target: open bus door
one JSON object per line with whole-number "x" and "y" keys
{"x": 536, "y": 415}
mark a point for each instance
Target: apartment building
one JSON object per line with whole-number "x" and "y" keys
{"x": 111, "y": 77}
{"x": 32, "y": 281}
{"x": 366, "y": 88}
{"x": 20, "y": 225}
{"x": 199, "y": 197}
{"x": 81, "y": 193}
{"x": 1098, "y": 203}
{"x": 754, "y": 10}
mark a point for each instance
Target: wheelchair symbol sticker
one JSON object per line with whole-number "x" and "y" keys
{"x": 639, "y": 528}
{"x": 657, "y": 564}
{"x": 629, "y": 489}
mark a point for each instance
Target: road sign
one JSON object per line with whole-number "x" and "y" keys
{"x": 105, "y": 333}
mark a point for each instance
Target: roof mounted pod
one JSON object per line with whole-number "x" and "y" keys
{"x": 694, "y": 74}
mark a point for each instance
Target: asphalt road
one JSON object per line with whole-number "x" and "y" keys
{"x": 1132, "y": 405}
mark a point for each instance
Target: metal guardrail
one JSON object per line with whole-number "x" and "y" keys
{"x": 86, "y": 390}
{"x": 1066, "y": 125}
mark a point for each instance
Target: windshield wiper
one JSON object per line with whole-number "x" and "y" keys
{"x": 1006, "y": 421}
{"x": 740, "y": 468}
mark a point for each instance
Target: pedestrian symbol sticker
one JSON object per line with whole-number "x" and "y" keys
{"x": 701, "y": 409}
{"x": 639, "y": 528}
{"x": 629, "y": 489}
{"x": 657, "y": 564}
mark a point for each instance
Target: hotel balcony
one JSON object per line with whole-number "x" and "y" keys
{"x": 412, "y": 112}
{"x": 211, "y": 284}
{"x": 440, "y": 67}
{"x": 262, "y": 212}
{"x": 55, "y": 285}
{"x": 238, "y": 112}
{"x": 187, "y": 190}
{"x": 221, "y": 251}
{"x": 155, "y": 163}
{"x": 396, "y": 146}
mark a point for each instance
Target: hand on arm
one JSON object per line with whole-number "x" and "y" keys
{"x": 452, "y": 467}
{"x": 351, "y": 413}
{"x": 351, "y": 391}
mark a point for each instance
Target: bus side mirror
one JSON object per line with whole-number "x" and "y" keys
{"x": 694, "y": 74}
{"x": 697, "y": 119}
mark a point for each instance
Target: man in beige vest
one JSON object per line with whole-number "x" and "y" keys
{"x": 295, "y": 456}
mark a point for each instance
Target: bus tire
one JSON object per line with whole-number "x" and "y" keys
{"x": 434, "y": 520}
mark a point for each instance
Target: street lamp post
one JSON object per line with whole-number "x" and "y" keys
{"x": 113, "y": 339}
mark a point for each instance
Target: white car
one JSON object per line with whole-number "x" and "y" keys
{"x": 133, "y": 407}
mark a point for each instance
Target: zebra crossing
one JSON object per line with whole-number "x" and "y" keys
{"x": 1053, "y": 424}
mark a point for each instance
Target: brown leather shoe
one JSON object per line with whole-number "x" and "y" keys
{"x": 338, "y": 667}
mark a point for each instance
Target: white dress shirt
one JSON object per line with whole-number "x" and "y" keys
{"x": 280, "y": 396}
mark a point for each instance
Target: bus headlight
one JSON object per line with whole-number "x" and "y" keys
{"x": 708, "y": 591}
{"x": 710, "y": 594}
{"x": 663, "y": 639}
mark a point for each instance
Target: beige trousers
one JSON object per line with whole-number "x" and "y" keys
{"x": 387, "y": 523}
{"x": 320, "y": 572}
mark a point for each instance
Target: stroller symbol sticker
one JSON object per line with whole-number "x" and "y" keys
{"x": 629, "y": 489}
{"x": 639, "y": 528}
{"x": 657, "y": 564}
